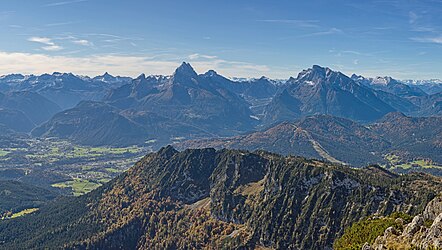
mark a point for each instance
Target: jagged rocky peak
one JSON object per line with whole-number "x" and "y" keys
{"x": 106, "y": 77}
{"x": 141, "y": 77}
{"x": 385, "y": 80}
{"x": 167, "y": 151}
{"x": 12, "y": 77}
{"x": 317, "y": 74}
{"x": 211, "y": 73}
{"x": 185, "y": 69}
{"x": 264, "y": 79}
{"x": 291, "y": 80}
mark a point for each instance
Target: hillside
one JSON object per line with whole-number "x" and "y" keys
{"x": 327, "y": 137}
{"x": 15, "y": 120}
{"x": 413, "y": 136}
{"x": 213, "y": 199}
{"x": 37, "y": 108}
{"x": 341, "y": 140}
{"x": 16, "y": 196}
{"x": 98, "y": 124}
{"x": 92, "y": 123}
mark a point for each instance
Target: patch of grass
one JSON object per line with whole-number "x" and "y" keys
{"x": 104, "y": 180}
{"x": 367, "y": 230}
{"x": 251, "y": 188}
{"x": 397, "y": 162}
{"x": 24, "y": 212}
{"x": 78, "y": 186}
{"x": 113, "y": 170}
{"x": 3, "y": 153}
{"x": 87, "y": 168}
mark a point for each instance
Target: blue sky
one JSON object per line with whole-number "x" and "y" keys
{"x": 241, "y": 38}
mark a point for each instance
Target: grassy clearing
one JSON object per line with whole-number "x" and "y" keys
{"x": 104, "y": 180}
{"x": 87, "y": 168}
{"x": 113, "y": 170}
{"x": 417, "y": 163}
{"x": 398, "y": 163}
{"x": 24, "y": 212}
{"x": 78, "y": 186}
{"x": 251, "y": 188}
{"x": 3, "y": 153}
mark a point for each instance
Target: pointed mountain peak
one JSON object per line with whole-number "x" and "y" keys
{"x": 186, "y": 70}
{"x": 356, "y": 77}
{"x": 383, "y": 80}
{"x": 264, "y": 78}
{"x": 167, "y": 151}
{"x": 141, "y": 77}
{"x": 211, "y": 73}
{"x": 314, "y": 73}
{"x": 318, "y": 68}
{"x": 291, "y": 79}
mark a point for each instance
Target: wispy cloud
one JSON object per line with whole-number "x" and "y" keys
{"x": 436, "y": 40}
{"x": 412, "y": 17}
{"x": 83, "y": 42}
{"x": 49, "y": 44}
{"x": 199, "y": 56}
{"x": 15, "y": 26}
{"x": 296, "y": 22}
{"x": 112, "y": 39}
{"x": 43, "y": 40}
{"x": 331, "y": 31}
{"x": 6, "y": 14}
{"x": 65, "y": 3}
{"x": 59, "y": 24}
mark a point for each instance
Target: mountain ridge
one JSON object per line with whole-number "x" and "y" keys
{"x": 245, "y": 198}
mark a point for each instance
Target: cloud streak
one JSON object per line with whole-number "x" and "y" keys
{"x": 296, "y": 22}
{"x": 83, "y": 42}
{"x": 65, "y": 3}
{"x": 49, "y": 44}
{"x": 331, "y": 31}
{"x": 435, "y": 40}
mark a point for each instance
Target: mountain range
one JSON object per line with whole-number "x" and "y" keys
{"x": 185, "y": 105}
{"x": 221, "y": 199}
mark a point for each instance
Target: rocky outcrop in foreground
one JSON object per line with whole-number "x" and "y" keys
{"x": 423, "y": 232}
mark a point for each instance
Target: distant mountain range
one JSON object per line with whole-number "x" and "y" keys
{"x": 64, "y": 89}
{"x": 159, "y": 110}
